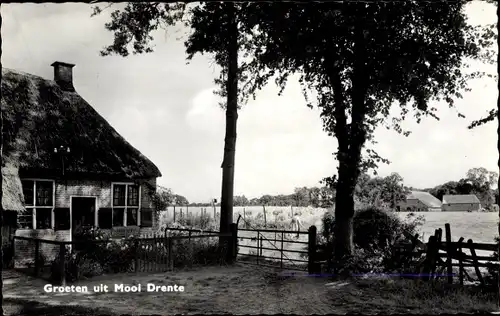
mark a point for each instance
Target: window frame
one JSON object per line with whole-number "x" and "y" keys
{"x": 126, "y": 206}
{"x": 34, "y": 206}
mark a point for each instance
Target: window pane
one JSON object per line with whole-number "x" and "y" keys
{"x": 28, "y": 192}
{"x": 25, "y": 219}
{"x": 146, "y": 217}
{"x": 119, "y": 195}
{"x": 43, "y": 218}
{"x": 61, "y": 220}
{"x": 44, "y": 193}
{"x": 133, "y": 195}
{"x": 131, "y": 217}
{"x": 118, "y": 217}
{"x": 105, "y": 218}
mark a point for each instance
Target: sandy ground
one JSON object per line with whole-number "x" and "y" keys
{"x": 239, "y": 289}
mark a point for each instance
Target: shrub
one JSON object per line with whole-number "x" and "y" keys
{"x": 202, "y": 251}
{"x": 118, "y": 256}
{"x": 94, "y": 258}
{"x": 376, "y": 235}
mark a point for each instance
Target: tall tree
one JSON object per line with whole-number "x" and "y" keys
{"x": 359, "y": 59}
{"x": 483, "y": 177}
{"x": 1, "y": 195}
{"x": 214, "y": 30}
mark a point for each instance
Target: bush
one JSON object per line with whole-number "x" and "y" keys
{"x": 91, "y": 258}
{"x": 377, "y": 235}
{"x": 202, "y": 251}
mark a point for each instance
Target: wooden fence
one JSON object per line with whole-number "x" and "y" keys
{"x": 59, "y": 261}
{"x": 439, "y": 257}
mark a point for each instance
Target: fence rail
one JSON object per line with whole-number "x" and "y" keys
{"x": 67, "y": 261}
{"x": 278, "y": 245}
{"x": 442, "y": 256}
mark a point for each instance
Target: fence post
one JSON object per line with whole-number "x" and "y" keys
{"x": 311, "y": 250}
{"x": 37, "y": 257}
{"x": 429, "y": 257}
{"x": 174, "y": 213}
{"x": 169, "y": 254}
{"x": 261, "y": 242}
{"x": 449, "y": 251}
{"x": 281, "y": 252}
{"x": 265, "y": 217}
{"x": 460, "y": 261}
{"x": 136, "y": 255}
{"x": 475, "y": 262}
{"x": 62, "y": 263}
{"x": 245, "y": 217}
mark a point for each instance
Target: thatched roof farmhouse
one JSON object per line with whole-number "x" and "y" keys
{"x": 62, "y": 160}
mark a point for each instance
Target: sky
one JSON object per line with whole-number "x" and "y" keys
{"x": 166, "y": 109}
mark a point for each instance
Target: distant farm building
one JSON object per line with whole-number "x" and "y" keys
{"x": 420, "y": 201}
{"x": 461, "y": 203}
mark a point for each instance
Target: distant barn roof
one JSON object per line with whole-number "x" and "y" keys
{"x": 425, "y": 197}
{"x": 460, "y": 199}
{"x": 39, "y": 116}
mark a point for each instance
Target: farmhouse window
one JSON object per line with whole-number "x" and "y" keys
{"x": 43, "y": 218}
{"x": 118, "y": 216}
{"x": 39, "y": 202}
{"x": 28, "y": 187}
{"x": 131, "y": 217}
{"x": 26, "y": 219}
{"x": 126, "y": 204}
{"x": 61, "y": 219}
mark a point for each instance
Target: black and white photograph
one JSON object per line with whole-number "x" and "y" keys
{"x": 247, "y": 158}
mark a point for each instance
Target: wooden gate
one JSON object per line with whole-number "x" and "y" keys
{"x": 278, "y": 248}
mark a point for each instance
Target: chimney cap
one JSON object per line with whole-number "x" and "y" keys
{"x": 60, "y": 63}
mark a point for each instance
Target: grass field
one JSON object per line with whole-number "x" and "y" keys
{"x": 243, "y": 289}
{"x": 478, "y": 226}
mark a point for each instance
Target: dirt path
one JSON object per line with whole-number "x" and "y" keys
{"x": 239, "y": 289}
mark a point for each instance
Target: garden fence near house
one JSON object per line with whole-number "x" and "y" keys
{"x": 155, "y": 253}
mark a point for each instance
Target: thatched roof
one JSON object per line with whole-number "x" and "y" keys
{"x": 39, "y": 116}
{"x": 12, "y": 198}
{"x": 425, "y": 197}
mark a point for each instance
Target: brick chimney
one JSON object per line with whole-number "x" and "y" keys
{"x": 63, "y": 75}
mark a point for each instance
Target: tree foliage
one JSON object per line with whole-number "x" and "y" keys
{"x": 355, "y": 61}
{"x": 384, "y": 192}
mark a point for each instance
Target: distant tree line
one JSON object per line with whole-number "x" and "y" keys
{"x": 378, "y": 191}
{"x": 302, "y": 196}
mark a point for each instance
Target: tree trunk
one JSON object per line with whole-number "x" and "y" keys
{"x": 1, "y": 202}
{"x": 498, "y": 130}
{"x": 344, "y": 214}
{"x": 226, "y": 213}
